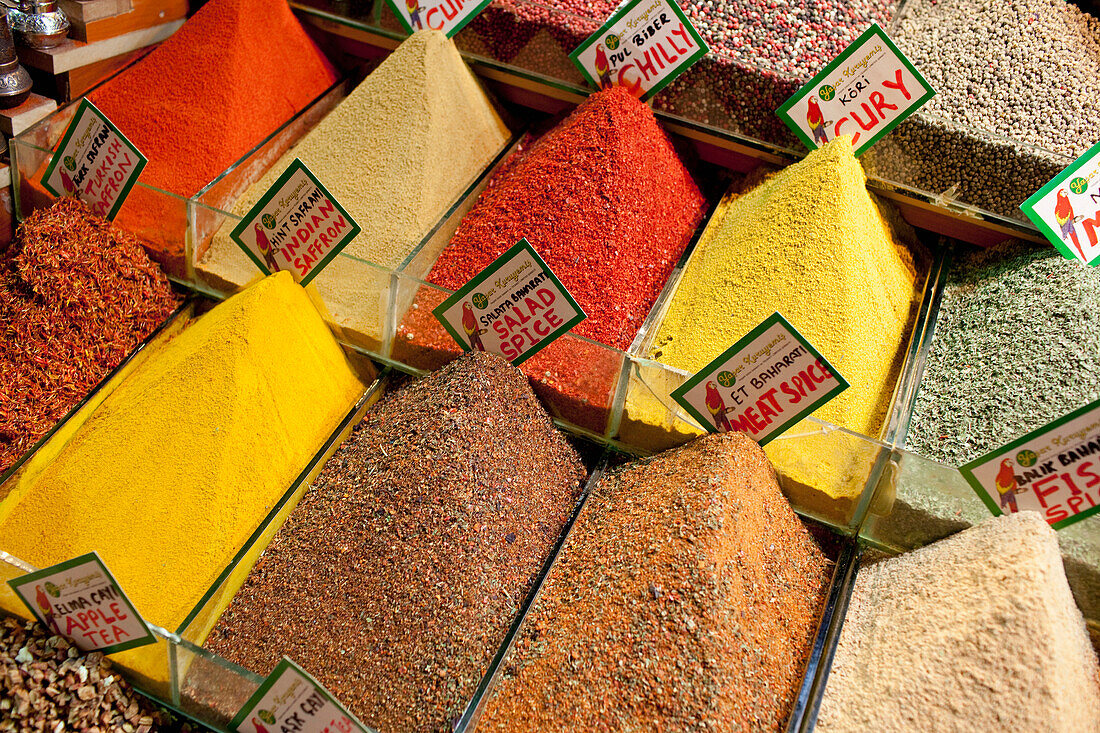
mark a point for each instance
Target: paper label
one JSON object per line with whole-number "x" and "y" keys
{"x": 291, "y": 701}
{"x": 514, "y": 307}
{"x": 1054, "y": 470}
{"x": 643, "y": 46}
{"x": 82, "y": 600}
{"x": 448, "y": 16}
{"x": 864, "y": 92}
{"x": 762, "y": 385}
{"x": 296, "y": 226}
{"x": 94, "y": 162}
{"x": 1067, "y": 210}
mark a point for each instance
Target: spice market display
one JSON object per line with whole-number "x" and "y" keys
{"x": 319, "y": 498}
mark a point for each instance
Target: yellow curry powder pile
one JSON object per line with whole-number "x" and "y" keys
{"x": 179, "y": 465}
{"x": 686, "y": 598}
{"x": 812, "y": 244}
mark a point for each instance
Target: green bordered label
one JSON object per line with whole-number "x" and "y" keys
{"x": 296, "y": 226}
{"x": 449, "y": 16}
{"x": 1067, "y": 210}
{"x": 643, "y": 46}
{"x": 1054, "y": 470}
{"x": 864, "y": 92}
{"x": 291, "y": 701}
{"x": 762, "y": 385}
{"x": 514, "y": 307}
{"x": 82, "y": 600}
{"x": 94, "y": 162}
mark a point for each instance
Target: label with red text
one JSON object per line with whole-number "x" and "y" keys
{"x": 643, "y": 46}
{"x": 94, "y": 162}
{"x": 762, "y": 385}
{"x": 1067, "y": 209}
{"x": 448, "y": 16}
{"x": 514, "y": 307}
{"x": 864, "y": 92}
{"x": 291, "y": 701}
{"x": 296, "y": 226}
{"x": 82, "y": 600}
{"x": 1054, "y": 470}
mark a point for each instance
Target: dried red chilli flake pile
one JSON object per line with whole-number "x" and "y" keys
{"x": 77, "y": 294}
{"x": 606, "y": 201}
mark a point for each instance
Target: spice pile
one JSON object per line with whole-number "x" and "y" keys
{"x": 231, "y": 75}
{"x": 975, "y": 632}
{"x": 1025, "y": 70}
{"x": 686, "y": 598}
{"x": 47, "y": 684}
{"x": 812, "y": 244}
{"x": 606, "y": 201}
{"x": 76, "y": 296}
{"x": 1016, "y": 346}
{"x": 395, "y": 153}
{"x": 397, "y": 576}
{"x": 179, "y": 465}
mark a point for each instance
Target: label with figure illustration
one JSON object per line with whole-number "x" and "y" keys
{"x": 94, "y": 162}
{"x": 514, "y": 307}
{"x": 762, "y": 385}
{"x": 291, "y": 701}
{"x": 1054, "y": 470}
{"x": 1067, "y": 210}
{"x": 82, "y": 600}
{"x": 297, "y": 226}
{"x": 864, "y": 92}
{"x": 448, "y": 16}
{"x": 643, "y": 46}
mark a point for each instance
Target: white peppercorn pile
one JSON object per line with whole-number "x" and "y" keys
{"x": 1018, "y": 98}
{"x": 47, "y": 684}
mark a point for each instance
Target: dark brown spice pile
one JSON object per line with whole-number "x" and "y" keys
{"x": 686, "y": 598}
{"x": 47, "y": 684}
{"x": 395, "y": 579}
{"x": 77, "y": 294}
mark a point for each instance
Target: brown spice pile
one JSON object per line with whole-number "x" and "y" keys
{"x": 77, "y": 294}
{"x": 395, "y": 579}
{"x": 47, "y": 684}
{"x": 687, "y": 598}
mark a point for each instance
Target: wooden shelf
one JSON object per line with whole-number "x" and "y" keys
{"x": 72, "y": 54}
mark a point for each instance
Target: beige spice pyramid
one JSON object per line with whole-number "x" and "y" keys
{"x": 396, "y": 153}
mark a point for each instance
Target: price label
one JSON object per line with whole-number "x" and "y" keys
{"x": 94, "y": 162}
{"x": 296, "y": 226}
{"x": 643, "y": 47}
{"x": 1054, "y": 470}
{"x": 514, "y": 307}
{"x": 449, "y": 16}
{"x": 82, "y": 600}
{"x": 762, "y": 385}
{"x": 864, "y": 92}
{"x": 1067, "y": 210}
{"x": 291, "y": 700}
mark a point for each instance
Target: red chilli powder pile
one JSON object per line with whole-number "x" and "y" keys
{"x": 77, "y": 295}
{"x": 228, "y": 78}
{"x": 606, "y": 201}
